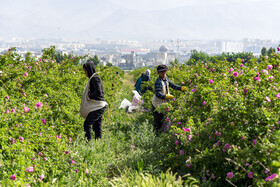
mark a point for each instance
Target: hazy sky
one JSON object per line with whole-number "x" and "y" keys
{"x": 55, "y": 18}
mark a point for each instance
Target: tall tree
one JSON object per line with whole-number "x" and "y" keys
{"x": 94, "y": 59}
{"x": 264, "y": 51}
{"x": 271, "y": 50}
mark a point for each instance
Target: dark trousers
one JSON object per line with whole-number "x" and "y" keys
{"x": 94, "y": 119}
{"x": 158, "y": 117}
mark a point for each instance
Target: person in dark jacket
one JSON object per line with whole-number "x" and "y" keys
{"x": 162, "y": 95}
{"x": 95, "y": 103}
{"x": 141, "y": 80}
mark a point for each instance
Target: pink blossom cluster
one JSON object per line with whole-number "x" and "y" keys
{"x": 13, "y": 177}
{"x": 230, "y": 70}
{"x": 271, "y": 177}
{"x": 186, "y": 129}
{"x": 39, "y": 105}
{"x": 29, "y": 169}
{"x": 226, "y": 147}
{"x": 230, "y": 175}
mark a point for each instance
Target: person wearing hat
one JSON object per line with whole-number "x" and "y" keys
{"x": 162, "y": 94}
{"x": 141, "y": 80}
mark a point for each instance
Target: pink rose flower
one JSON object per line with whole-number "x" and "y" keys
{"x": 39, "y": 105}
{"x": 271, "y": 177}
{"x": 44, "y": 121}
{"x": 269, "y": 67}
{"x": 176, "y": 142}
{"x": 211, "y": 81}
{"x": 256, "y": 78}
{"x": 25, "y": 74}
{"x": 29, "y": 169}
{"x": 21, "y": 138}
{"x": 13, "y": 177}
{"x": 87, "y": 171}
{"x": 250, "y": 175}
{"x": 230, "y": 175}
{"x": 58, "y": 137}
{"x": 218, "y": 143}
{"x": 230, "y": 70}
{"x": 278, "y": 95}
{"x": 254, "y": 141}
{"x": 264, "y": 71}
{"x": 235, "y": 74}
{"x": 26, "y": 109}
{"x": 226, "y": 147}
{"x": 204, "y": 103}
{"x": 268, "y": 99}
{"x": 181, "y": 152}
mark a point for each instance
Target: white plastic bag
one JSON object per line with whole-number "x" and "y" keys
{"x": 125, "y": 103}
{"x": 136, "y": 98}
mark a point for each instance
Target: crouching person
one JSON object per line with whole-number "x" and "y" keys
{"x": 162, "y": 95}
{"x": 93, "y": 104}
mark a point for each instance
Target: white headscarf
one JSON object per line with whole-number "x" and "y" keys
{"x": 148, "y": 72}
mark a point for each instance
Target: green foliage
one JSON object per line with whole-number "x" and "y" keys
{"x": 271, "y": 51}
{"x": 167, "y": 179}
{"x": 229, "y": 57}
{"x": 230, "y": 125}
{"x": 264, "y": 51}
{"x": 40, "y": 135}
{"x": 94, "y": 59}
{"x": 174, "y": 62}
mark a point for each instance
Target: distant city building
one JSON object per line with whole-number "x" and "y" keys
{"x": 132, "y": 54}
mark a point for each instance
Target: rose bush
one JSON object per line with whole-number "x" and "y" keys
{"x": 39, "y": 112}
{"x": 232, "y": 112}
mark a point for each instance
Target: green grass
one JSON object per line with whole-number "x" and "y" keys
{"x": 126, "y": 156}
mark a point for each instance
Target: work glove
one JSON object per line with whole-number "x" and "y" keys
{"x": 183, "y": 88}
{"x": 168, "y": 96}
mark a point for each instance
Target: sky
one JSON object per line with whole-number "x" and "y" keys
{"x": 92, "y": 18}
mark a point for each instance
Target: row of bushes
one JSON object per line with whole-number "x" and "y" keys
{"x": 39, "y": 112}
{"x": 224, "y": 129}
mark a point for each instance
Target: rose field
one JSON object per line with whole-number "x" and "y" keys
{"x": 222, "y": 131}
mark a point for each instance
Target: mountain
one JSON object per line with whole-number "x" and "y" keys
{"x": 109, "y": 19}
{"x": 198, "y": 21}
